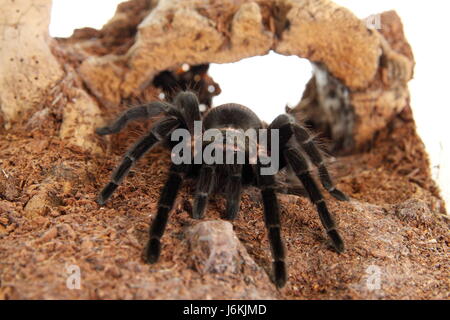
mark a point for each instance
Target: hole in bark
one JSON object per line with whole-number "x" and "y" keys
{"x": 265, "y": 84}
{"x": 273, "y": 84}
{"x": 186, "y": 77}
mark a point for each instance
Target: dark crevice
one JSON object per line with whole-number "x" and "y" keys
{"x": 195, "y": 79}
{"x": 275, "y": 17}
{"x": 279, "y": 14}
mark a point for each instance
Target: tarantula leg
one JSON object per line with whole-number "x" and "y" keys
{"x": 288, "y": 126}
{"x": 165, "y": 205}
{"x": 313, "y": 152}
{"x": 272, "y": 220}
{"x": 157, "y": 133}
{"x": 188, "y": 103}
{"x": 300, "y": 167}
{"x": 144, "y": 111}
{"x": 296, "y": 190}
{"x": 205, "y": 185}
{"x": 233, "y": 191}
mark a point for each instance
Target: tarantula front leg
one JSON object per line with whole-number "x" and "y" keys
{"x": 205, "y": 186}
{"x": 159, "y": 132}
{"x": 233, "y": 190}
{"x": 145, "y": 111}
{"x": 165, "y": 205}
{"x": 267, "y": 184}
{"x": 288, "y": 126}
{"x": 301, "y": 169}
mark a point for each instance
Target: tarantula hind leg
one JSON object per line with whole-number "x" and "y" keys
{"x": 300, "y": 167}
{"x": 165, "y": 205}
{"x": 288, "y": 127}
{"x": 307, "y": 143}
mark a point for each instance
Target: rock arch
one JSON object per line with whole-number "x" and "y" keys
{"x": 371, "y": 67}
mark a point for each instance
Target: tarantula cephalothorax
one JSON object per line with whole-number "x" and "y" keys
{"x": 294, "y": 142}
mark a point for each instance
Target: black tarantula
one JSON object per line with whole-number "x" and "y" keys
{"x": 294, "y": 142}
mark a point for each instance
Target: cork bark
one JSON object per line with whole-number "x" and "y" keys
{"x": 28, "y": 70}
{"x": 144, "y": 38}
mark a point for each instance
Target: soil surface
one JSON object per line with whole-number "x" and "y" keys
{"x": 52, "y": 230}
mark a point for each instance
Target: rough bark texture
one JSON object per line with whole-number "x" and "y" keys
{"x": 27, "y": 68}
{"x": 53, "y": 166}
{"x": 351, "y": 117}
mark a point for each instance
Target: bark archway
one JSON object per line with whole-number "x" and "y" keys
{"x": 363, "y": 70}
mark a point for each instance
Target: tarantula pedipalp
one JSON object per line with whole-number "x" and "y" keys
{"x": 294, "y": 141}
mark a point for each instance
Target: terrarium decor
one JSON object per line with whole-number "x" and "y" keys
{"x": 58, "y": 241}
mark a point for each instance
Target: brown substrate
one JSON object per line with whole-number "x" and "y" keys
{"x": 49, "y": 221}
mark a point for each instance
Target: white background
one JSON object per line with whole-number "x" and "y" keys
{"x": 426, "y": 26}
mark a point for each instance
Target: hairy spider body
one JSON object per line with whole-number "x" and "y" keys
{"x": 294, "y": 142}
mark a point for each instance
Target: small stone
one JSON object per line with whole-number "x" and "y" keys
{"x": 414, "y": 211}
{"x": 8, "y": 186}
{"x": 49, "y": 235}
{"x": 214, "y": 247}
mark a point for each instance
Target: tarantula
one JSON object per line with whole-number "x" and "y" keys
{"x": 294, "y": 142}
